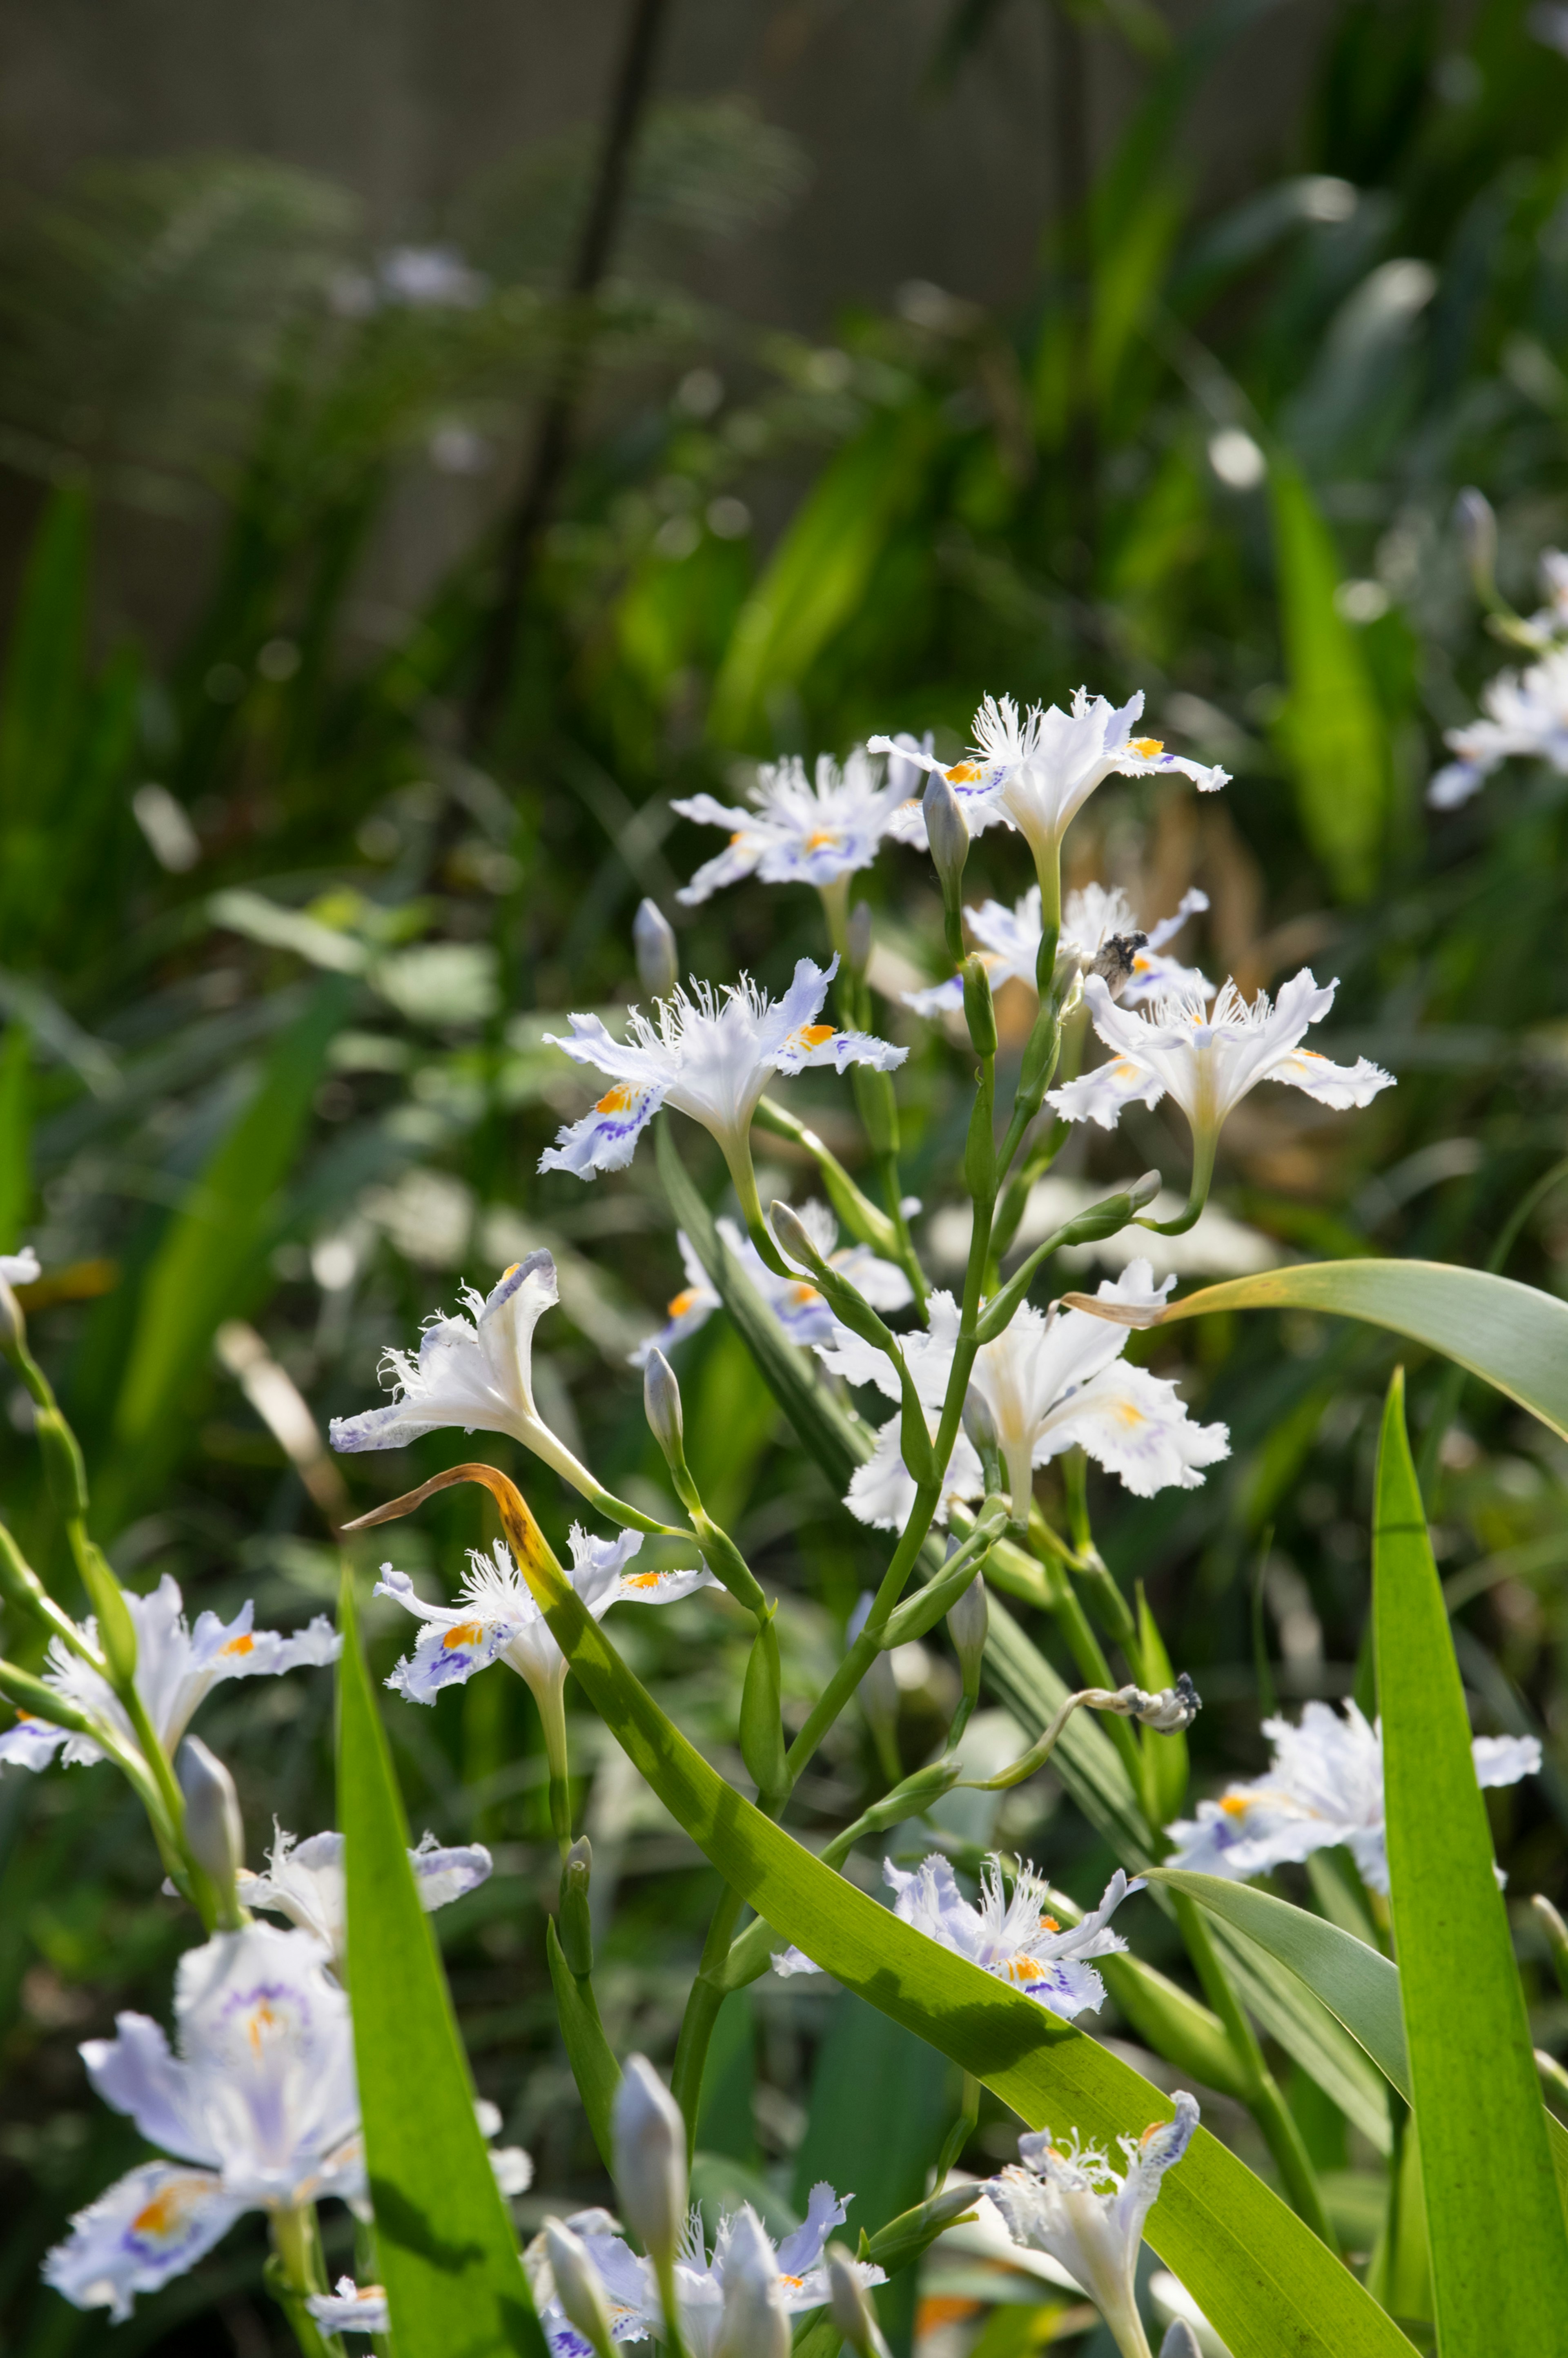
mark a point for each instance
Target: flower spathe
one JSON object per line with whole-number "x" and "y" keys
{"x": 350, "y": 2308}
{"x": 799, "y": 830}
{"x": 1324, "y": 1786}
{"x": 798, "y": 1307}
{"x": 1071, "y": 2203}
{"x": 1053, "y": 1380}
{"x": 304, "y": 1882}
{"x": 1526, "y": 716}
{"x": 1016, "y": 1938}
{"x": 258, "y": 2105}
{"x": 1010, "y": 940}
{"x": 1035, "y": 770}
{"x": 1208, "y": 1058}
{"x": 631, "y": 2288}
{"x": 475, "y": 1373}
{"x": 496, "y": 1618}
{"x": 710, "y": 1054}
{"x": 176, "y": 1667}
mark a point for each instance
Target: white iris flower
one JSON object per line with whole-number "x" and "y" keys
{"x": 476, "y": 1372}
{"x": 20, "y": 1267}
{"x": 1054, "y": 1379}
{"x": 632, "y": 2290}
{"x": 304, "y": 1882}
{"x": 350, "y": 2308}
{"x": 259, "y": 2105}
{"x": 177, "y": 1669}
{"x": 1010, "y": 940}
{"x": 800, "y": 830}
{"x": 496, "y": 1618}
{"x": 1526, "y": 716}
{"x": 1207, "y": 1059}
{"x": 710, "y": 1056}
{"x": 1324, "y": 1786}
{"x": 798, "y": 1307}
{"x": 1036, "y": 770}
{"x": 1073, "y": 2205}
{"x": 1015, "y": 1940}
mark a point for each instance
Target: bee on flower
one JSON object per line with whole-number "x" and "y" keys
{"x": 1098, "y": 929}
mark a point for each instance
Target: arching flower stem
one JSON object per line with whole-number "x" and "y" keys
{"x": 1203, "y": 1143}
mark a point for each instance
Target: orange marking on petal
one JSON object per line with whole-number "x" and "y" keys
{"x": 1024, "y": 1969}
{"x": 644, "y": 1579}
{"x": 1150, "y": 747}
{"x": 1049, "y": 1924}
{"x": 510, "y": 1272}
{"x": 963, "y": 773}
{"x": 824, "y": 835}
{"x": 1235, "y": 1805}
{"x": 162, "y": 2214}
{"x": 803, "y": 1294}
{"x": 25, "y": 1714}
{"x": 245, "y": 1644}
{"x": 812, "y": 1035}
{"x": 466, "y": 1633}
{"x": 263, "y": 2019}
{"x": 617, "y": 1099}
{"x": 680, "y": 1303}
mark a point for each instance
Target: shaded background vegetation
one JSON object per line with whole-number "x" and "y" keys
{"x": 286, "y": 906}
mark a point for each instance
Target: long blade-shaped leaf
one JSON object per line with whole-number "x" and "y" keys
{"x": 447, "y": 2249}
{"x": 1499, "y": 2252}
{"x": 1514, "y": 1336}
{"x": 1261, "y": 2277}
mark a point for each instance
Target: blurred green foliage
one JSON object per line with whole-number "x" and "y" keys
{"x": 276, "y": 941}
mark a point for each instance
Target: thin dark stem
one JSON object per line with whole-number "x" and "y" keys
{"x": 553, "y": 438}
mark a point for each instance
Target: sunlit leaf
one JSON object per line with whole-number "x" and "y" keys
{"x": 1499, "y": 2250}
{"x": 446, "y": 2246}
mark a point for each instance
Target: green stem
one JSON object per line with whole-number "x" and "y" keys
{"x": 294, "y": 2272}
{"x": 1263, "y": 2099}
{"x": 1205, "y": 1141}
{"x": 550, "y": 1693}
{"x": 908, "y": 1259}
{"x": 707, "y": 1995}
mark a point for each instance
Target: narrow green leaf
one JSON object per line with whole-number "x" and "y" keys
{"x": 447, "y": 2248}
{"x": 40, "y": 698}
{"x": 824, "y": 1430}
{"x": 1262, "y": 2278}
{"x": 594, "y": 2068}
{"x": 1331, "y": 729}
{"x": 1514, "y": 1336}
{"x": 1499, "y": 2252}
{"x": 212, "y": 1257}
{"x": 15, "y": 1133}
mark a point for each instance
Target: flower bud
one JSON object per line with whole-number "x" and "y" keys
{"x": 755, "y": 2322}
{"x": 969, "y": 1618}
{"x": 32, "y": 1700}
{"x": 981, "y": 1426}
{"x": 850, "y": 2305}
{"x": 63, "y": 1469}
{"x": 576, "y": 1931}
{"x": 117, "y": 1630}
{"x": 214, "y": 1834}
{"x": 654, "y": 941}
{"x": 1477, "y": 529}
{"x": 19, "y": 1583}
{"x": 979, "y": 1013}
{"x": 650, "y": 2160}
{"x": 857, "y": 941}
{"x": 580, "y": 2288}
{"x": 794, "y": 1237}
{"x": 761, "y": 1728}
{"x": 947, "y": 831}
{"x": 1180, "y": 2341}
{"x": 661, "y": 1404}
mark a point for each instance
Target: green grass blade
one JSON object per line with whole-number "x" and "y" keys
{"x": 594, "y": 2067}
{"x": 1263, "y": 2279}
{"x": 447, "y": 2248}
{"x": 1500, "y": 2251}
{"x": 1513, "y": 1334}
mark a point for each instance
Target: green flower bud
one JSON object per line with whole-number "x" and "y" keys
{"x": 761, "y": 1728}
{"x": 969, "y": 1618}
{"x": 117, "y": 1630}
{"x": 654, "y": 943}
{"x": 859, "y": 940}
{"x": 576, "y": 1929}
{"x": 580, "y": 2288}
{"x": 63, "y": 1469}
{"x": 1477, "y": 529}
{"x": 214, "y": 1833}
{"x": 979, "y": 1013}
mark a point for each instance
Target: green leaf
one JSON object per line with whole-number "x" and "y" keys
{"x": 1513, "y": 1334}
{"x": 594, "y": 2067}
{"x": 1261, "y": 2277}
{"x": 824, "y": 1431}
{"x": 212, "y": 1257}
{"x": 41, "y": 697}
{"x": 15, "y": 1133}
{"x": 1500, "y": 2251}
{"x": 446, "y": 2245}
{"x": 1331, "y": 729}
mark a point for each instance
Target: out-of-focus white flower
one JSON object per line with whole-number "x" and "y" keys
{"x": 799, "y": 2269}
{"x": 1090, "y": 919}
{"x": 1035, "y": 771}
{"x": 799, "y": 1308}
{"x": 1324, "y": 1786}
{"x": 1015, "y": 1938}
{"x": 259, "y": 2103}
{"x": 350, "y": 2308}
{"x": 476, "y": 1372}
{"x": 304, "y": 1882}
{"x": 1053, "y": 1380}
{"x": 650, "y": 2159}
{"x": 1209, "y": 1059}
{"x": 1526, "y": 716}
{"x": 1073, "y": 2205}
{"x": 429, "y": 278}
{"x": 20, "y": 1267}
{"x": 710, "y": 1056}
{"x": 496, "y": 1618}
{"x": 800, "y": 830}
{"x": 176, "y": 1667}
{"x": 754, "y": 2316}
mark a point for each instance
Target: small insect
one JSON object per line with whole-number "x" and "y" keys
{"x": 1117, "y": 959}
